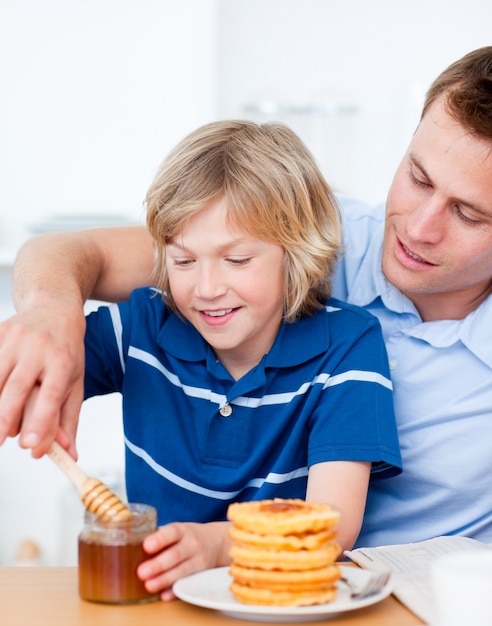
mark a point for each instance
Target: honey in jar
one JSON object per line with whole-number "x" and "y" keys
{"x": 109, "y": 554}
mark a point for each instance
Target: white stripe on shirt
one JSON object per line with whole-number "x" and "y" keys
{"x": 114, "y": 311}
{"x": 272, "y": 477}
{"x": 275, "y": 398}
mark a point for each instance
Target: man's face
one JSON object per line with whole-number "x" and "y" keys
{"x": 438, "y": 236}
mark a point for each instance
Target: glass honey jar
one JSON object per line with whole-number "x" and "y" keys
{"x": 109, "y": 554}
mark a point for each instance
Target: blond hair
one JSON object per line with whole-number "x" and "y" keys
{"x": 274, "y": 192}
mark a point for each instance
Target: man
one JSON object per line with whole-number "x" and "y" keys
{"x": 422, "y": 265}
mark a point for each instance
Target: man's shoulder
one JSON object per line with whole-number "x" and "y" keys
{"x": 354, "y": 210}
{"x": 363, "y": 228}
{"x": 349, "y": 314}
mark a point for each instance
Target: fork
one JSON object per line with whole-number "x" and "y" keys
{"x": 371, "y": 585}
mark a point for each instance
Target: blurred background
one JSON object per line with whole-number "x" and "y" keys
{"x": 96, "y": 92}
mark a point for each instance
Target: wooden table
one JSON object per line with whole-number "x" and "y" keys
{"x": 48, "y": 596}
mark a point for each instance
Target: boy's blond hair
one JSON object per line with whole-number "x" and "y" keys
{"x": 274, "y": 192}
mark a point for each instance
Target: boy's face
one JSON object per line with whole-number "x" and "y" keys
{"x": 228, "y": 285}
{"x": 438, "y": 236}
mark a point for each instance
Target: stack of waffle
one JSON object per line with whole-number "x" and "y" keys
{"x": 283, "y": 552}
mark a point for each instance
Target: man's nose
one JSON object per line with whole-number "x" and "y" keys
{"x": 428, "y": 222}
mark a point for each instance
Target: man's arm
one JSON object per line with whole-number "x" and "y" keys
{"x": 100, "y": 263}
{"x": 41, "y": 348}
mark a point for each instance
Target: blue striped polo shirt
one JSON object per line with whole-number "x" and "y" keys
{"x": 196, "y": 439}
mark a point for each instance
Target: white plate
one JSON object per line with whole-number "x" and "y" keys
{"x": 210, "y": 589}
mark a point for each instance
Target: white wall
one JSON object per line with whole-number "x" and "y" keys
{"x": 379, "y": 56}
{"x": 94, "y": 94}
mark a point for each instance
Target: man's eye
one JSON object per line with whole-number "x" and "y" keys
{"x": 465, "y": 218}
{"x": 418, "y": 181}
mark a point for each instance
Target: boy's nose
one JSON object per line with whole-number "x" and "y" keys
{"x": 210, "y": 283}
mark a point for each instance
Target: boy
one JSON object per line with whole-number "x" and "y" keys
{"x": 240, "y": 378}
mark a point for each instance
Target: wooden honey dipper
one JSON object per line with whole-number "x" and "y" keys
{"x": 95, "y": 495}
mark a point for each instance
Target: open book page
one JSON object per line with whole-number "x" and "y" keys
{"x": 410, "y": 567}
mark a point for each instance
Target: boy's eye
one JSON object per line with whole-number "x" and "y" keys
{"x": 183, "y": 262}
{"x": 239, "y": 261}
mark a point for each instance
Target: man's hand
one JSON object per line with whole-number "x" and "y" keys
{"x": 41, "y": 377}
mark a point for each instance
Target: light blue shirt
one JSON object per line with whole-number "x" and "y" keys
{"x": 442, "y": 379}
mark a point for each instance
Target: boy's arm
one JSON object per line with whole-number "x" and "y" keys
{"x": 41, "y": 348}
{"x": 343, "y": 485}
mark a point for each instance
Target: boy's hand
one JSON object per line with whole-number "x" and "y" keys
{"x": 181, "y": 549}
